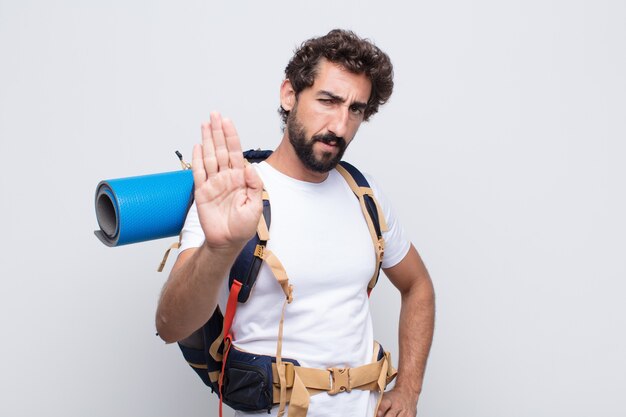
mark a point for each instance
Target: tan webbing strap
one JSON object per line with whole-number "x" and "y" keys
{"x": 279, "y": 363}
{"x": 387, "y": 374}
{"x": 214, "y": 376}
{"x": 198, "y": 365}
{"x": 300, "y": 398}
{"x": 381, "y": 217}
{"x": 174, "y": 245}
{"x": 379, "y": 244}
{"x": 360, "y": 191}
{"x": 280, "y": 274}
{"x": 351, "y": 182}
{"x": 277, "y": 269}
{"x": 279, "y": 345}
{"x": 262, "y": 230}
{"x": 213, "y": 349}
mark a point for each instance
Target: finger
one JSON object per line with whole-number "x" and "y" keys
{"x": 208, "y": 151}
{"x": 235, "y": 155}
{"x": 221, "y": 153}
{"x": 199, "y": 174}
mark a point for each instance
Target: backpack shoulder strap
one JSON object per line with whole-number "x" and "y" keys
{"x": 248, "y": 262}
{"x": 374, "y": 216}
{"x": 247, "y": 265}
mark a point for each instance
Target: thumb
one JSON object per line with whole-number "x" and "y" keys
{"x": 385, "y": 405}
{"x": 254, "y": 184}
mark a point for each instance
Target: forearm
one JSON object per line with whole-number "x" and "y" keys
{"x": 191, "y": 291}
{"x": 416, "y": 325}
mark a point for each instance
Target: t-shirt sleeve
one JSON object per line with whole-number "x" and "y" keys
{"x": 192, "y": 235}
{"x": 396, "y": 243}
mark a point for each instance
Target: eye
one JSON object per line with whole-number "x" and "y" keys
{"x": 326, "y": 101}
{"x": 356, "y": 110}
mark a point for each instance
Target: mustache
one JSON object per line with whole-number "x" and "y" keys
{"x": 330, "y": 139}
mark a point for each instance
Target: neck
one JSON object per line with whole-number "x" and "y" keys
{"x": 285, "y": 160}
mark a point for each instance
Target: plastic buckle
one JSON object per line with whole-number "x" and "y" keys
{"x": 339, "y": 380}
{"x": 290, "y": 374}
{"x": 259, "y": 251}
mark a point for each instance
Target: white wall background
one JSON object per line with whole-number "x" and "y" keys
{"x": 502, "y": 150}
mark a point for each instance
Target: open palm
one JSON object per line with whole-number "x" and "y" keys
{"x": 228, "y": 192}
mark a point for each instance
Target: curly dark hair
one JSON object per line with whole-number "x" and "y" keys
{"x": 343, "y": 47}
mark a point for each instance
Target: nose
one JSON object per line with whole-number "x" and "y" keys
{"x": 339, "y": 121}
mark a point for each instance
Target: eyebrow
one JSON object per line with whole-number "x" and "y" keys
{"x": 358, "y": 104}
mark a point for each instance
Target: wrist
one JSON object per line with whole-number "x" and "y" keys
{"x": 408, "y": 387}
{"x": 226, "y": 251}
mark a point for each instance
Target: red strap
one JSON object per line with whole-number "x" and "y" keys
{"x": 231, "y": 307}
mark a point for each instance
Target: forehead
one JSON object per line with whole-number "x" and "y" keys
{"x": 336, "y": 79}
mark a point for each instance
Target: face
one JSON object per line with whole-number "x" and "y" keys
{"x": 304, "y": 147}
{"x": 326, "y": 116}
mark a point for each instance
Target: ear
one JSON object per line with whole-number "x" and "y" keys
{"x": 287, "y": 95}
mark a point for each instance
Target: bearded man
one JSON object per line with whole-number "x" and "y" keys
{"x": 318, "y": 231}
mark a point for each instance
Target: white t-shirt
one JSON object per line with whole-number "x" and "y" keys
{"x": 319, "y": 233}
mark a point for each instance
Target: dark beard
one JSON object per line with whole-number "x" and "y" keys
{"x": 304, "y": 148}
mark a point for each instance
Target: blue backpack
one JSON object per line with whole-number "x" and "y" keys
{"x": 251, "y": 382}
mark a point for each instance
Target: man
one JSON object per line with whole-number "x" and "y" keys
{"x": 333, "y": 84}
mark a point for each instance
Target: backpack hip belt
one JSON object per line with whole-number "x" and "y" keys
{"x": 303, "y": 382}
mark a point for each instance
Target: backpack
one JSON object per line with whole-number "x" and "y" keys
{"x": 250, "y": 382}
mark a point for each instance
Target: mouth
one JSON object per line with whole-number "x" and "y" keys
{"x": 330, "y": 140}
{"x": 328, "y": 146}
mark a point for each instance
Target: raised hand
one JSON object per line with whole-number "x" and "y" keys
{"x": 228, "y": 192}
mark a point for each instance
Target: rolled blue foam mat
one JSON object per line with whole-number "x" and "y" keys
{"x": 147, "y": 207}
